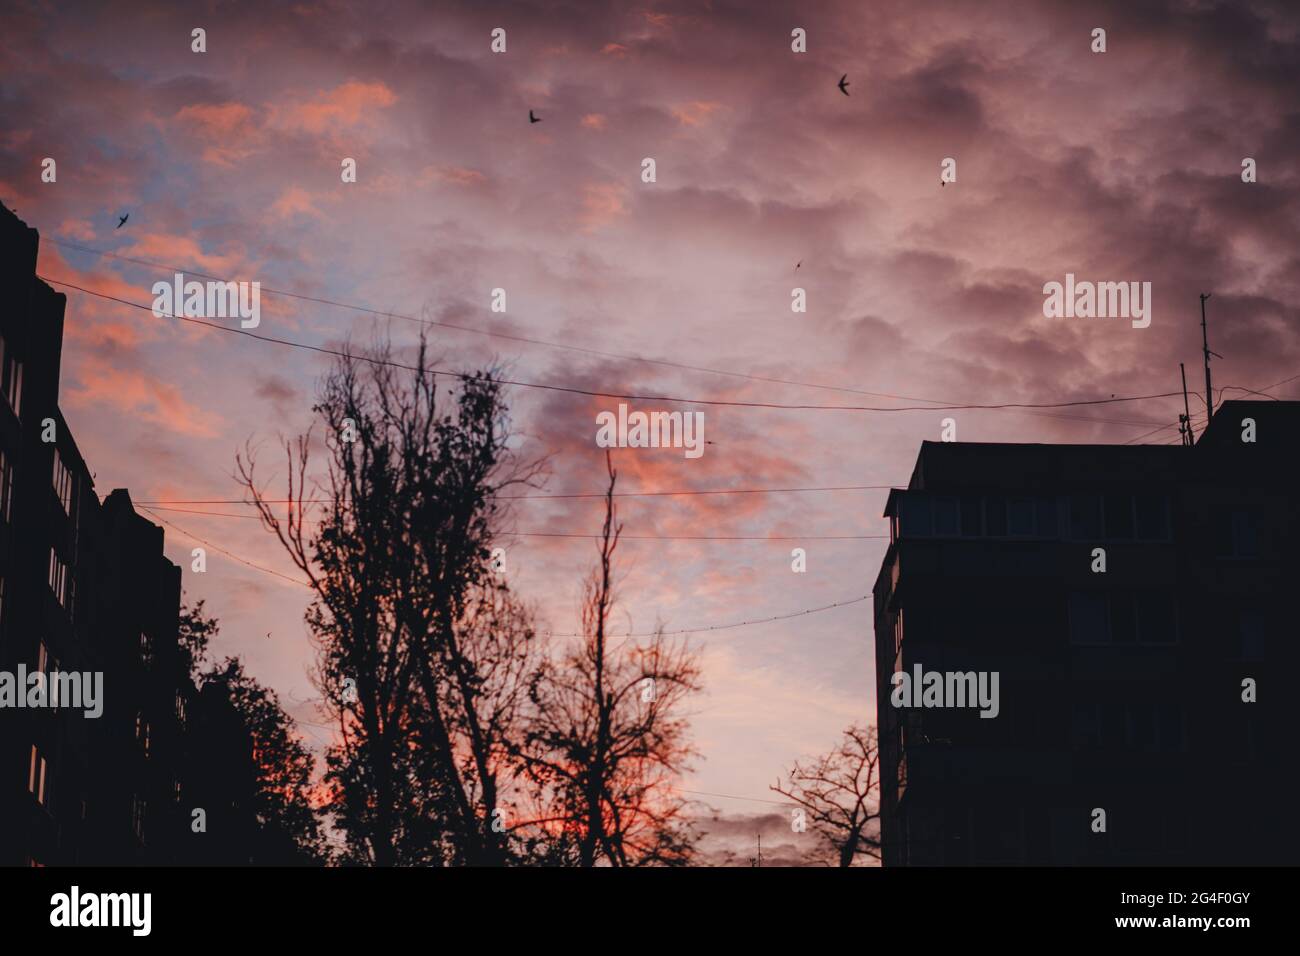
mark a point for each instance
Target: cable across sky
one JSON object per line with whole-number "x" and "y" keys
{"x": 594, "y": 393}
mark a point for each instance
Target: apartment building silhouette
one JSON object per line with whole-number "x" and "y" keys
{"x": 1121, "y": 690}
{"x": 84, "y": 586}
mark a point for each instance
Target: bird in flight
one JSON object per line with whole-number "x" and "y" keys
{"x": 122, "y": 220}
{"x": 797, "y": 265}
{"x": 532, "y": 118}
{"x": 843, "y": 84}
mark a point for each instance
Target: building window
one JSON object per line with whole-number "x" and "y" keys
{"x": 1123, "y": 618}
{"x": 146, "y": 649}
{"x": 1119, "y": 517}
{"x": 947, "y": 517}
{"x": 1152, "y": 517}
{"x": 1020, "y": 517}
{"x": 36, "y": 773}
{"x": 11, "y": 378}
{"x": 1085, "y": 517}
{"x": 914, "y": 512}
{"x": 1252, "y": 634}
{"x": 1239, "y": 535}
{"x": 1088, "y": 618}
{"x": 995, "y": 517}
{"x": 59, "y": 579}
{"x": 971, "y": 516}
{"x": 138, "y": 808}
{"x": 63, "y": 483}
{"x": 46, "y": 664}
{"x": 180, "y": 709}
{"x": 142, "y": 732}
{"x": 6, "y": 487}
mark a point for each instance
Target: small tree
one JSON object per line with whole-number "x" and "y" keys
{"x": 195, "y": 632}
{"x": 288, "y": 828}
{"x": 606, "y": 741}
{"x": 840, "y": 793}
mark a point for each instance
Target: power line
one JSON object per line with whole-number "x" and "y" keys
{"x": 1237, "y": 388}
{"x": 727, "y": 627}
{"x": 575, "y": 534}
{"x": 691, "y": 630}
{"x": 592, "y": 393}
{"x": 560, "y": 345}
{"x": 732, "y": 796}
{"x": 700, "y": 537}
{"x": 589, "y": 494}
{"x": 229, "y": 554}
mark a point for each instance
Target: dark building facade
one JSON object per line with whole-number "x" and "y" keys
{"x": 85, "y": 587}
{"x": 1120, "y": 690}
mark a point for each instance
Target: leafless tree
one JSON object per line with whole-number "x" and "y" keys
{"x": 607, "y": 740}
{"x": 840, "y": 794}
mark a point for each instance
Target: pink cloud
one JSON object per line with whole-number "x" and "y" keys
{"x": 346, "y": 105}
{"x": 295, "y": 201}
{"x": 602, "y": 203}
{"x": 695, "y": 112}
{"x": 227, "y": 129}
{"x": 145, "y": 397}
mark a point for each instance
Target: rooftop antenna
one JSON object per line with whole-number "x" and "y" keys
{"x": 1185, "y": 419}
{"x": 1205, "y": 345}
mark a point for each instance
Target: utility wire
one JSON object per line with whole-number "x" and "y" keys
{"x": 1200, "y": 418}
{"x": 575, "y": 534}
{"x": 727, "y": 627}
{"x": 558, "y": 345}
{"x": 692, "y": 630}
{"x": 229, "y": 554}
{"x": 590, "y": 494}
{"x": 620, "y": 395}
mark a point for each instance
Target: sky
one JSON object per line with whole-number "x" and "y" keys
{"x": 1123, "y": 165}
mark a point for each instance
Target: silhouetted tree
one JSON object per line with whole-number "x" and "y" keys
{"x": 840, "y": 793}
{"x": 195, "y": 633}
{"x": 289, "y": 830}
{"x": 606, "y": 741}
{"x": 424, "y": 654}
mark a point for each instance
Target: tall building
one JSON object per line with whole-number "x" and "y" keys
{"x": 85, "y": 588}
{"x": 1136, "y": 605}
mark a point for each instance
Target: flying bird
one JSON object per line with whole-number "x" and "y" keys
{"x": 122, "y": 221}
{"x": 797, "y": 265}
{"x": 532, "y": 118}
{"x": 843, "y": 84}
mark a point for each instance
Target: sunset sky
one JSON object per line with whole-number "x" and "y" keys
{"x": 1116, "y": 166}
